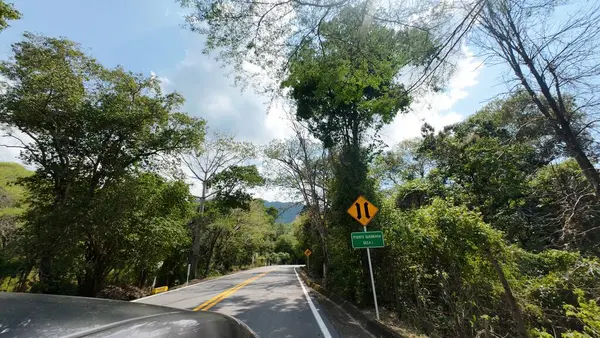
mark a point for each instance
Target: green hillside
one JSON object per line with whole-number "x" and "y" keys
{"x": 11, "y": 194}
{"x": 11, "y": 205}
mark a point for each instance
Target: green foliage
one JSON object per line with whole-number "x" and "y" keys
{"x": 417, "y": 193}
{"x": 443, "y": 282}
{"x": 438, "y": 255}
{"x": 11, "y": 193}
{"x": 130, "y": 226}
{"x": 94, "y": 133}
{"x": 7, "y": 12}
{"x": 267, "y": 34}
{"x": 12, "y": 207}
{"x": 490, "y": 162}
{"x": 401, "y": 164}
{"x": 273, "y": 212}
{"x": 231, "y": 185}
{"x": 516, "y": 118}
{"x": 567, "y": 207}
{"x": 470, "y": 216}
{"x": 550, "y": 280}
{"x": 149, "y": 220}
{"x": 483, "y": 171}
{"x": 588, "y": 312}
{"x": 94, "y": 122}
{"x": 345, "y": 84}
{"x": 236, "y": 238}
{"x": 12, "y": 199}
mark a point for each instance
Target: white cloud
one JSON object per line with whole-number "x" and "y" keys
{"x": 210, "y": 95}
{"x": 436, "y": 108}
{"x": 10, "y": 143}
{"x": 164, "y": 82}
{"x": 10, "y": 139}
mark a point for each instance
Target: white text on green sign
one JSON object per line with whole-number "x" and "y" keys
{"x": 369, "y": 239}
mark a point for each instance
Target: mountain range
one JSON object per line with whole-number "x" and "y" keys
{"x": 288, "y": 211}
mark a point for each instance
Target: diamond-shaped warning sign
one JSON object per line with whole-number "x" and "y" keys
{"x": 362, "y": 210}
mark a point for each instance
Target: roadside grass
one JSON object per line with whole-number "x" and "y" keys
{"x": 390, "y": 319}
{"x": 10, "y": 282}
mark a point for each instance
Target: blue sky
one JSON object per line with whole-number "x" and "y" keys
{"x": 146, "y": 36}
{"x": 134, "y": 33}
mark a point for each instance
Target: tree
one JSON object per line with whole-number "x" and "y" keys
{"x": 516, "y": 119}
{"x": 401, "y": 163}
{"x": 567, "y": 208}
{"x": 231, "y": 186}
{"x": 301, "y": 165}
{"x": 222, "y": 169}
{"x": 488, "y": 161}
{"x": 555, "y": 64}
{"x": 84, "y": 127}
{"x": 443, "y": 259}
{"x": 267, "y": 35}
{"x": 7, "y": 12}
{"x": 235, "y": 236}
{"x": 134, "y": 225}
{"x": 346, "y": 85}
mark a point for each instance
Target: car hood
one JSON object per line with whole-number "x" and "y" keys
{"x": 38, "y": 315}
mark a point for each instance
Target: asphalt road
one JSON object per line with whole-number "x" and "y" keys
{"x": 270, "y": 300}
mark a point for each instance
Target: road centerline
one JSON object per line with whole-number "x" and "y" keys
{"x": 218, "y": 298}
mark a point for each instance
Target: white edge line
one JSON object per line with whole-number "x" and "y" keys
{"x": 189, "y": 286}
{"x": 315, "y": 313}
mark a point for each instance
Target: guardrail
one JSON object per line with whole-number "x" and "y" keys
{"x": 160, "y": 289}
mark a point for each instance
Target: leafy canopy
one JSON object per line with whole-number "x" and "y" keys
{"x": 7, "y": 12}
{"x": 93, "y": 134}
{"x": 76, "y": 120}
{"x": 346, "y": 83}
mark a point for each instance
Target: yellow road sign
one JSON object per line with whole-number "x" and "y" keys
{"x": 307, "y": 252}
{"x": 362, "y": 210}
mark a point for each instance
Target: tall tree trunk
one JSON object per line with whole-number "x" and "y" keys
{"x": 555, "y": 112}
{"x": 195, "y": 252}
{"x": 516, "y": 311}
{"x": 45, "y": 274}
{"x": 589, "y": 171}
{"x": 142, "y": 278}
{"x": 210, "y": 253}
{"x": 196, "y": 232}
{"x": 94, "y": 276}
{"x": 22, "y": 287}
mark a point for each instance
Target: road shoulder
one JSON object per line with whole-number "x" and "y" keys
{"x": 344, "y": 324}
{"x": 353, "y": 315}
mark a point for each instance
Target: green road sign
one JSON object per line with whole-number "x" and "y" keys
{"x": 368, "y": 239}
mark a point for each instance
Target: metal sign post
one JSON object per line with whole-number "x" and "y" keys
{"x": 372, "y": 279}
{"x": 187, "y": 279}
{"x": 363, "y": 212}
{"x": 307, "y": 253}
